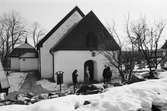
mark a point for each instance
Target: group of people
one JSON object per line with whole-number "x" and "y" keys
{"x": 107, "y": 75}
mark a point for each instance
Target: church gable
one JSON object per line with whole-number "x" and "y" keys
{"x": 164, "y": 46}
{"x": 66, "y": 24}
{"x": 89, "y": 34}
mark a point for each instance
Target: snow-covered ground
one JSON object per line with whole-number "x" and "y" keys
{"x": 52, "y": 86}
{"x": 47, "y": 85}
{"x": 141, "y": 95}
{"x": 16, "y": 79}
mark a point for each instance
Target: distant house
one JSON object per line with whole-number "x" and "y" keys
{"x": 24, "y": 58}
{"x": 74, "y": 44}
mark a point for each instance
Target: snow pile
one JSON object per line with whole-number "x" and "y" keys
{"x": 163, "y": 75}
{"x": 16, "y": 80}
{"x": 47, "y": 85}
{"x": 134, "y": 97}
{"x": 145, "y": 69}
{"x": 14, "y": 108}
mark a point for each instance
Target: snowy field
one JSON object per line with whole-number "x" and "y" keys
{"x": 135, "y": 97}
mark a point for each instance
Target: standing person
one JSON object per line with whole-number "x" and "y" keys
{"x": 87, "y": 75}
{"x": 109, "y": 74}
{"x": 74, "y": 78}
{"x": 105, "y": 74}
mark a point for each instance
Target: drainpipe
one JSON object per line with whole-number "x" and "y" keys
{"x": 39, "y": 61}
{"x": 52, "y": 53}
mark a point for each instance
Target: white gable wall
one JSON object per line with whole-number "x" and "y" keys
{"x": 68, "y": 61}
{"x": 46, "y": 57}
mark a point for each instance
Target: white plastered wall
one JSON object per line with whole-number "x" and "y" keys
{"x": 15, "y": 63}
{"x": 68, "y": 61}
{"x": 28, "y": 64}
{"x": 46, "y": 58}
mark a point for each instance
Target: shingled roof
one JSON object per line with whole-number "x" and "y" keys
{"x": 22, "y": 49}
{"x": 77, "y": 38}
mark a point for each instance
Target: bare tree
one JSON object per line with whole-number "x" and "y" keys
{"x": 145, "y": 38}
{"x": 131, "y": 54}
{"x": 121, "y": 58}
{"x": 37, "y": 33}
{"x": 12, "y": 32}
{"x": 116, "y": 61}
{"x": 2, "y": 41}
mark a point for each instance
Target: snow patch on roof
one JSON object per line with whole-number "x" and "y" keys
{"x": 25, "y": 45}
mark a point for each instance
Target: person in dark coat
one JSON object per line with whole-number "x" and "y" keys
{"x": 105, "y": 74}
{"x": 74, "y": 78}
{"x": 108, "y": 75}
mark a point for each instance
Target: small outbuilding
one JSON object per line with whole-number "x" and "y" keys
{"x": 24, "y": 58}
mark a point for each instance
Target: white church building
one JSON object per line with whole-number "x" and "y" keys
{"x": 74, "y": 44}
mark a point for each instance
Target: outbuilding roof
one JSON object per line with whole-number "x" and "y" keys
{"x": 22, "y": 49}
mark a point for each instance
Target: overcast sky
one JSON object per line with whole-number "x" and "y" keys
{"x": 49, "y": 12}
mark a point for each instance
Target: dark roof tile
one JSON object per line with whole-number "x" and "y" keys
{"x": 77, "y": 38}
{"x": 22, "y": 49}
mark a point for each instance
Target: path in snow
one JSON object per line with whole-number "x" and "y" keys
{"x": 30, "y": 85}
{"x": 16, "y": 79}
